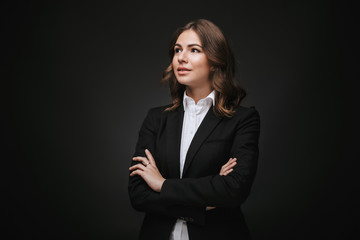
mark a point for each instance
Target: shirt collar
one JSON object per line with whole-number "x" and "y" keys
{"x": 207, "y": 101}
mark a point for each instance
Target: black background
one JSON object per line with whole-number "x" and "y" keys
{"x": 78, "y": 77}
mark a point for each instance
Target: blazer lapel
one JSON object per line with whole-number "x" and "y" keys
{"x": 209, "y": 122}
{"x": 173, "y": 137}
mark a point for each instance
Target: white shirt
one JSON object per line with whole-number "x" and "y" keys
{"x": 194, "y": 113}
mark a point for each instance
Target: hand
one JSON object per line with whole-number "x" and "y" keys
{"x": 228, "y": 167}
{"x": 148, "y": 171}
{"x": 225, "y": 170}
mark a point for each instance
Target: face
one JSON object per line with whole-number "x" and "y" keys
{"x": 190, "y": 63}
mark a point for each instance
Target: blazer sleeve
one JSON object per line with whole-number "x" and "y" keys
{"x": 142, "y": 197}
{"x": 222, "y": 191}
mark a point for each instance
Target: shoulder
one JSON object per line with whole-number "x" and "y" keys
{"x": 157, "y": 111}
{"x": 246, "y": 112}
{"x": 153, "y": 118}
{"x": 246, "y": 119}
{"x": 155, "y": 114}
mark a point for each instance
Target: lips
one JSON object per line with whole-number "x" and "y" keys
{"x": 183, "y": 70}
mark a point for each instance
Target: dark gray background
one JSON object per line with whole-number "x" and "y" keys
{"x": 78, "y": 77}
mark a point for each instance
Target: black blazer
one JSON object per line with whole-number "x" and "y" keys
{"x": 216, "y": 140}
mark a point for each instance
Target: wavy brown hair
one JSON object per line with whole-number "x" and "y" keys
{"x": 228, "y": 93}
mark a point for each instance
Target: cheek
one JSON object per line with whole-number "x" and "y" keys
{"x": 173, "y": 64}
{"x": 202, "y": 64}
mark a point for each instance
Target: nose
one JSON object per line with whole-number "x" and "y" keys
{"x": 182, "y": 57}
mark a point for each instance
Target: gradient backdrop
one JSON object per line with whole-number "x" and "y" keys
{"x": 77, "y": 79}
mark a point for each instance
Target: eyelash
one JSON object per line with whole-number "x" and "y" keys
{"x": 176, "y": 50}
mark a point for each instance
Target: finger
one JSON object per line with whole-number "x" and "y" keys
{"x": 140, "y": 158}
{"x": 137, "y": 166}
{"x": 225, "y": 166}
{"x": 227, "y": 172}
{"x": 231, "y": 165}
{"x": 143, "y": 160}
{"x": 231, "y": 160}
{"x": 150, "y": 157}
{"x": 228, "y": 162}
{"x": 136, "y": 172}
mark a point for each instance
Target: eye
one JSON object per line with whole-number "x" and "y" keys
{"x": 195, "y": 50}
{"x": 177, "y": 50}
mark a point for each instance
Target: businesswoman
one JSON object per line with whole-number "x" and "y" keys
{"x": 195, "y": 159}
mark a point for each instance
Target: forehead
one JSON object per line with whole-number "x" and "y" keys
{"x": 188, "y": 37}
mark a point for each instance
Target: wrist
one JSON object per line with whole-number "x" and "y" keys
{"x": 161, "y": 184}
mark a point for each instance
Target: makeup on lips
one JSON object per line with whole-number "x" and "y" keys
{"x": 183, "y": 70}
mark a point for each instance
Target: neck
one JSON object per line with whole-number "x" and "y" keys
{"x": 198, "y": 93}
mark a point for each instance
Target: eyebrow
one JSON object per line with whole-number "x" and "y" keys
{"x": 189, "y": 45}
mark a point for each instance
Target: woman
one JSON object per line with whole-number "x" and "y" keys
{"x": 195, "y": 160}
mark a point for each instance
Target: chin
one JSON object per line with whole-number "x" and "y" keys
{"x": 183, "y": 81}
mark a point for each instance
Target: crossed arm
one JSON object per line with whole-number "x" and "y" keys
{"x": 148, "y": 171}
{"x": 151, "y": 193}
